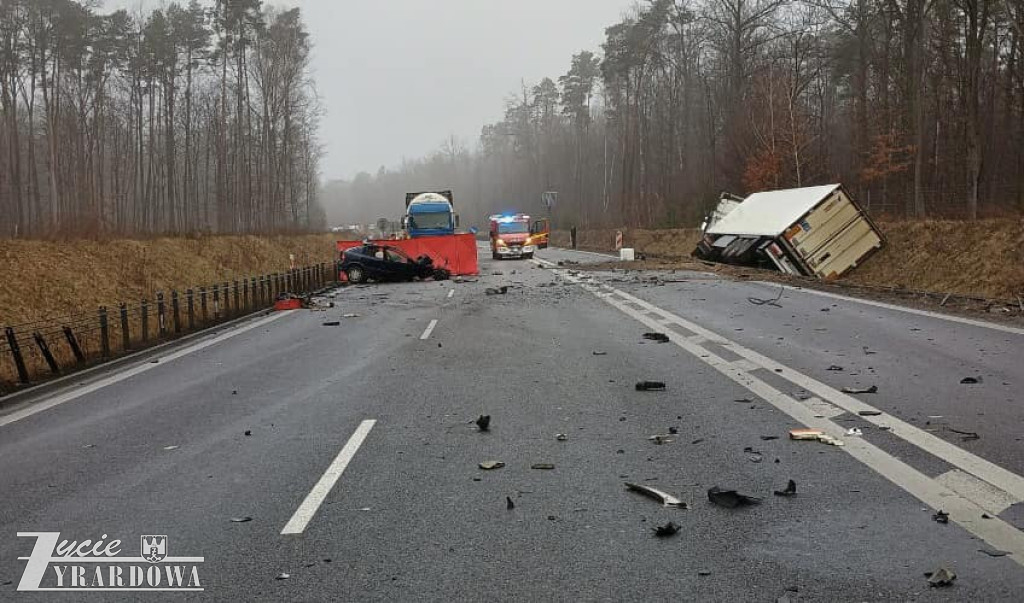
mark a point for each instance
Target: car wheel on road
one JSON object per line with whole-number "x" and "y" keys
{"x": 527, "y": 256}
{"x": 495, "y": 256}
{"x": 355, "y": 274}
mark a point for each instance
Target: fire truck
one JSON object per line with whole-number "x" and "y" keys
{"x": 511, "y": 236}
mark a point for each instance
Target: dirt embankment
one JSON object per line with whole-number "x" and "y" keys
{"x": 46, "y": 279}
{"x": 980, "y": 259}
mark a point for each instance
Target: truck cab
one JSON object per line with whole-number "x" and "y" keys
{"x": 430, "y": 214}
{"x": 511, "y": 236}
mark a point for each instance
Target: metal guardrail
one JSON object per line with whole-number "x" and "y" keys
{"x": 35, "y": 351}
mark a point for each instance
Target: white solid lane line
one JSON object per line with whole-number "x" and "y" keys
{"x": 963, "y": 507}
{"x": 73, "y": 394}
{"x": 297, "y": 524}
{"x": 948, "y": 317}
{"x": 429, "y": 329}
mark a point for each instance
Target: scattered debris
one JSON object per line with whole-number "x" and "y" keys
{"x": 869, "y": 413}
{"x": 730, "y": 499}
{"x": 667, "y": 530}
{"x": 484, "y": 423}
{"x": 332, "y": 323}
{"x": 241, "y": 519}
{"x": 502, "y": 290}
{"x": 834, "y": 367}
{"x": 350, "y": 315}
{"x": 248, "y": 432}
{"x": 994, "y": 552}
{"x": 768, "y": 438}
{"x": 965, "y": 436}
{"x": 646, "y": 386}
{"x": 497, "y": 273}
{"x": 941, "y": 577}
{"x": 659, "y": 337}
{"x": 789, "y": 491}
{"x": 664, "y": 498}
{"x": 283, "y": 576}
{"x": 757, "y": 301}
{"x": 754, "y": 456}
{"x": 703, "y": 572}
{"x": 561, "y": 437}
{"x": 509, "y": 505}
{"x": 170, "y": 447}
{"x": 489, "y": 465}
{"x": 941, "y": 516}
{"x": 814, "y": 434}
{"x": 660, "y": 439}
{"x": 970, "y": 380}
{"x": 599, "y": 353}
{"x": 861, "y": 390}
{"x": 854, "y": 431}
{"x": 542, "y": 466}
{"x": 673, "y": 430}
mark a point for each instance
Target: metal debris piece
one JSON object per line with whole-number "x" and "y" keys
{"x": 941, "y": 516}
{"x": 332, "y": 323}
{"x": 789, "y": 491}
{"x": 170, "y": 447}
{"x": 646, "y": 386}
{"x": 659, "y": 337}
{"x": 941, "y": 577}
{"x": 664, "y": 498}
{"x": 854, "y": 431}
{"x": 502, "y": 290}
{"x": 834, "y": 367}
{"x": 488, "y": 465}
{"x": 283, "y": 576}
{"x": 660, "y": 439}
{"x": 860, "y": 390}
{"x": 241, "y": 519}
{"x": 484, "y": 423}
{"x": 814, "y": 434}
{"x": 542, "y": 466}
{"x": 870, "y": 413}
{"x": 509, "y": 505}
{"x": 730, "y": 499}
{"x": 970, "y": 380}
{"x": 561, "y": 437}
{"x": 350, "y": 315}
{"x": 994, "y": 552}
{"x": 965, "y": 436}
{"x": 665, "y": 531}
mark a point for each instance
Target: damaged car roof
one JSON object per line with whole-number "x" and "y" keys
{"x": 770, "y": 213}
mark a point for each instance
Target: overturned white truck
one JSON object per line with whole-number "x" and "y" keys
{"x": 814, "y": 231}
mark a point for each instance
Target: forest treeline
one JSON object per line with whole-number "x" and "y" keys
{"x": 917, "y": 106}
{"x": 191, "y": 118}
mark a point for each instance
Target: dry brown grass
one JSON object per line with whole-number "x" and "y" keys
{"x": 982, "y": 259}
{"x": 43, "y": 280}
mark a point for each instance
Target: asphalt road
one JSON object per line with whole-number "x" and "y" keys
{"x": 161, "y": 447}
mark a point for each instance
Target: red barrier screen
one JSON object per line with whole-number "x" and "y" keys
{"x": 457, "y": 253}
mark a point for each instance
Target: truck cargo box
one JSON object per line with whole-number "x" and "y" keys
{"x": 815, "y": 231}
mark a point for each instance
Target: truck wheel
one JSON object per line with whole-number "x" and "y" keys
{"x": 355, "y": 274}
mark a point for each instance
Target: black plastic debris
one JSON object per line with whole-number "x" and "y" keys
{"x": 941, "y": 577}
{"x": 502, "y": 290}
{"x": 543, "y": 466}
{"x": 834, "y": 367}
{"x": 994, "y": 552}
{"x": 965, "y": 436}
{"x": 647, "y": 386}
{"x": 248, "y": 432}
{"x": 509, "y": 505}
{"x": 730, "y": 499}
{"x": 332, "y": 323}
{"x": 666, "y": 531}
{"x": 673, "y": 430}
{"x": 663, "y": 497}
{"x": 484, "y": 423}
{"x": 789, "y": 491}
{"x": 241, "y": 519}
{"x": 659, "y": 337}
{"x": 970, "y": 381}
{"x": 869, "y": 413}
{"x": 754, "y": 456}
{"x": 861, "y": 390}
{"x": 599, "y": 353}
{"x": 941, "y": 516}
{"x": 768, "y": 438}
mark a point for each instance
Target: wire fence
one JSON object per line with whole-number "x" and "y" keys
{"x": 35, "y": 351}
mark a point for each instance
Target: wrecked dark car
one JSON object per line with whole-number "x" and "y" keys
{"x": 385, "y": 263}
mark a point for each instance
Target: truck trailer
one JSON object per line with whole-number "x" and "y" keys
{"x": 813, "y": 231}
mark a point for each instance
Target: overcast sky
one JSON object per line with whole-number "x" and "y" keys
{"x": 396, "y": 77}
